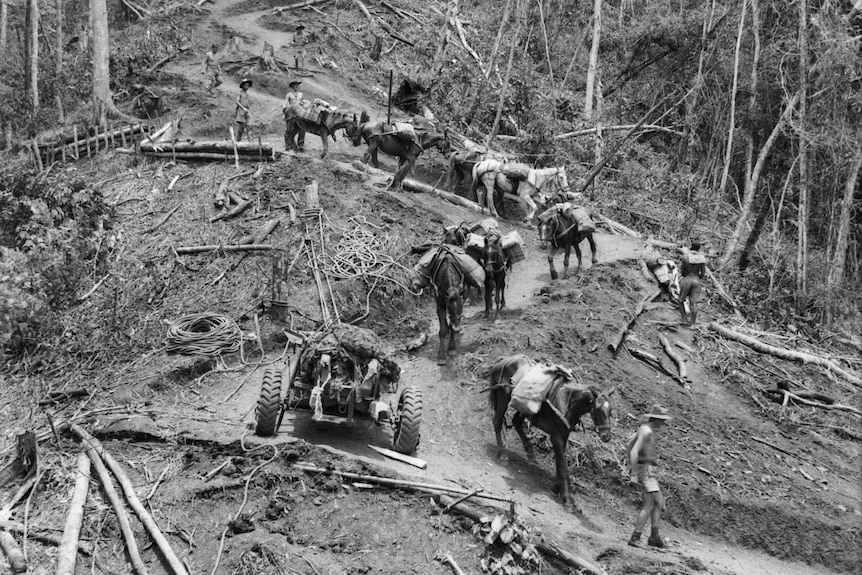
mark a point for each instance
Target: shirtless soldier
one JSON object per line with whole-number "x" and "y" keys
{"x": 642, "y": 457}
{"x": 693, "y": 268}
{"x": 212, "y": 70}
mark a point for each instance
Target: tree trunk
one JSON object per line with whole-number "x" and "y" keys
{"x": 31, "y": 53}
{"x": 102, "y": 102}
{"x": 836, "y": 271}
{"x": 751, "y": 184}
{"x": 4, "y": 25}
{"x": 594, "y": 58}
{"x": 802, "y": 210}
{"x": 728, "y": 152}
{"x": 58, "y": 67}
{"x": 688, "y": 143}
{"x": 496, "y": 49}
{"x": 520, "y": 11}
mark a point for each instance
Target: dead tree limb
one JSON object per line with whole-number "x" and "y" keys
{"x": 162, "y": 221}
{"x": 67, "y": 555}
{"x": 221, "y": 193}
{"x": 156, "y": 535}
{"x": 187, "y": 250}
{"x": 616, "y": 226}
{"x": 590, "y": 131}
{"x": 551, "y": 550}
{"x": 258, "y": 238}
{"x": 786, "y": 354}
{"x": 788, "y": 395}
{"x": 674, "y": 355}
{"x": 416, "y": 186}
{"x": 617, "y": 339}
{"x": 299, "y": 5}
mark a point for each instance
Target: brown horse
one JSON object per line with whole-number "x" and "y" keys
{"x": 330, "y": 123}
{"x": 381, "y": 136}
{"x": 447, "y": 280}
{"x": 557, "y": 230}
{"x": 461, "y": 165}
{"x": 496, "y": 264}
{"x": 559, "y": 414}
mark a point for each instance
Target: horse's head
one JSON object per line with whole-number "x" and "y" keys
{"x": 493, "y": 257}
{"x": 354, "y": 130}
{"x": 456, "y": 236}
{"x": 444, "y": 145}
{"x": 454, "y": 307}
{"x": 547, "y": 230}
{"x": 562, "y": 180}
{"x": 601, "y": 411}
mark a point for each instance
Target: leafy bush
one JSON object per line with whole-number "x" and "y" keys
{"x": 53, "y": 230}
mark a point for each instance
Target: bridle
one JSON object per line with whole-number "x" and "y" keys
{"x": 596, "y": 409}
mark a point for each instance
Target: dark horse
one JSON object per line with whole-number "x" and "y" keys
{"x": 381, "y": 136}
{"x": 559, "y": 414}
{"x": 461, "y": 165}
{"x": 496, "y": 264}
{"x": 557, "y": 230}
{"x": 295, "y": 125}
{"x": 448, "y": 282}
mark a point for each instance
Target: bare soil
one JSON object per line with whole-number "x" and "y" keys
{"x": 789, "y": 503}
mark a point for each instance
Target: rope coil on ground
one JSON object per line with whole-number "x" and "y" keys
{"x": 203, "y": 334}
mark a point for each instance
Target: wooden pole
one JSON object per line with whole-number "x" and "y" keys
{"x": 77, "y": 153}
{"x": 68, "y": 552}
{"x": 156, "y": 535}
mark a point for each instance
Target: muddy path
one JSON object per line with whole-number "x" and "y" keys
{"x": 457, "y": 437}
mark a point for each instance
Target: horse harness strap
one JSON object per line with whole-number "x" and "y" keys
{"x": 552, "y": 395}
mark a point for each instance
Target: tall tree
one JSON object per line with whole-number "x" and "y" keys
{"x": 4, "y": 25}
{"x": 58, "y": 66}
{"x": 728, "y": 151}
{"x": 103, "y": 105}
{"x": 31, "y": 53}
{"x": 594, "y": 58}
{"x": 836, "y": 270}
{"x": 802, "y": 209}
{"x": 520, "y": 16}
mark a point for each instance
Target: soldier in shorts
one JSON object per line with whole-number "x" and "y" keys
{"x": 642, "y": 457}
{"x": 693, "y": 268}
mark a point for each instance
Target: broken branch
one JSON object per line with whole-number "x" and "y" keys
{"x": 674, "y": 355}
{"x": 787, "y": 354}
{"x": 68, "y": 552}
{"x": 617, "y": 339}
{"x": 211, "y": 248}
{"x": 162, "y": 221}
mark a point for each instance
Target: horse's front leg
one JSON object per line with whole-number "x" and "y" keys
{"x": 561, "y": 482}
{"x": 480, "y": 193}
{"x": 490, "y": 190}
{"x": 592, "y": 243}
{"x": 518, "y": 424}
{"x": 498, "y": 296}
{"x": 577, "y": 249}
{"x": 501, "y": 404}
{"x": 444, "y": 329}
{"x": 489, "y": 289}
{"x": 324, "y": 137}
{"x": 531, "y": 205}
{"x": 551, "y": 251}
{"x": 566, "y": 255}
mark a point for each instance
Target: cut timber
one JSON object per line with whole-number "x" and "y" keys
{"x": 207, "y": 156}
{"x": 417, "y": 186}
{"x": 156, "y": 535}
{"x": 68, "y": 552}
{"x": 154, "y": 137}
{"x": 13, "y": 553}
{"x": 162, "y": 221}
{"x": 550, "y": 550}
{"x": 787, "y": 354}
{"x": 590, "y": 131}
{"x": 211, "y": 248}
{"x": 414, "y": 461}
{"x": 373, "y": 479}
{"x": 234, "y": 211}
{"x": 298, "y": 5}
{"x": 221, "y": 194}
{"x": 674, "y": 355}
{"x": 617, "y": 339}
{"x": 258, "y": 238}
{"x": 618, "y": 226}
{"x": 209, "y": 146}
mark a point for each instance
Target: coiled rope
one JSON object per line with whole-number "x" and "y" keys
{"x": 203, "y": 334}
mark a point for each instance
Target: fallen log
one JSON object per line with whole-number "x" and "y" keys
{"x": 72, "y": 141}
{"x": 657, "y": 365}
{"x": 644, "y": 128}
{"x": 154, "y": 137}
{"x": 122, "y": 517}
{"x": 156, "y": 535}
{"x": 551, "y": 550}
{"x": 618, "y": 226}
{"x": 449, "y": 560}
{"x": 298, "y": 5}
{"x": 787, "y": 354}
{"x": 617, "y": 339}
{"x": 221, "y": 193}
{"x": 209, "y": 146}
{"x": 55, "y": 396}
{"x": 15, "y": 527}
{"x": 67, "y": 555}
{"x": 830, "y": 404}
{"x": 234, "y": 211}
{"x": 209, "y": 156}
{"x": 386, "y": 481}
{"x": 723, "y": 292}
{"x": 674, "y": 355}
{"x": 258, "y": 238}
{"x": 417, "y": 186}
{"x": 186, "y": 250}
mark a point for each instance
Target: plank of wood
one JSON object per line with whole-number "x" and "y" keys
{"x": 414, "y": 461}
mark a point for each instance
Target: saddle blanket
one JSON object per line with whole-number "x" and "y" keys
{"x": 424, "y": 268}
{"x": 533, "y": 384}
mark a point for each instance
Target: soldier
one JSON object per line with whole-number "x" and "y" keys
{"x": 693, "y": 269}
{"x": 293, "y": 99}
{"x": 643, "y": 459}
{"x": 243, "y": 114}
{"x": 212, "y": 69}
{"x": 299, "y": 41}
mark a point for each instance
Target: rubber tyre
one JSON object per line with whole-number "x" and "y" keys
{"x": 405, "y": 439}
{"x": 269, "y": 403}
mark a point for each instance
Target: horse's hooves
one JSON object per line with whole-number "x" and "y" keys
{"x": 441, "y": 361}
